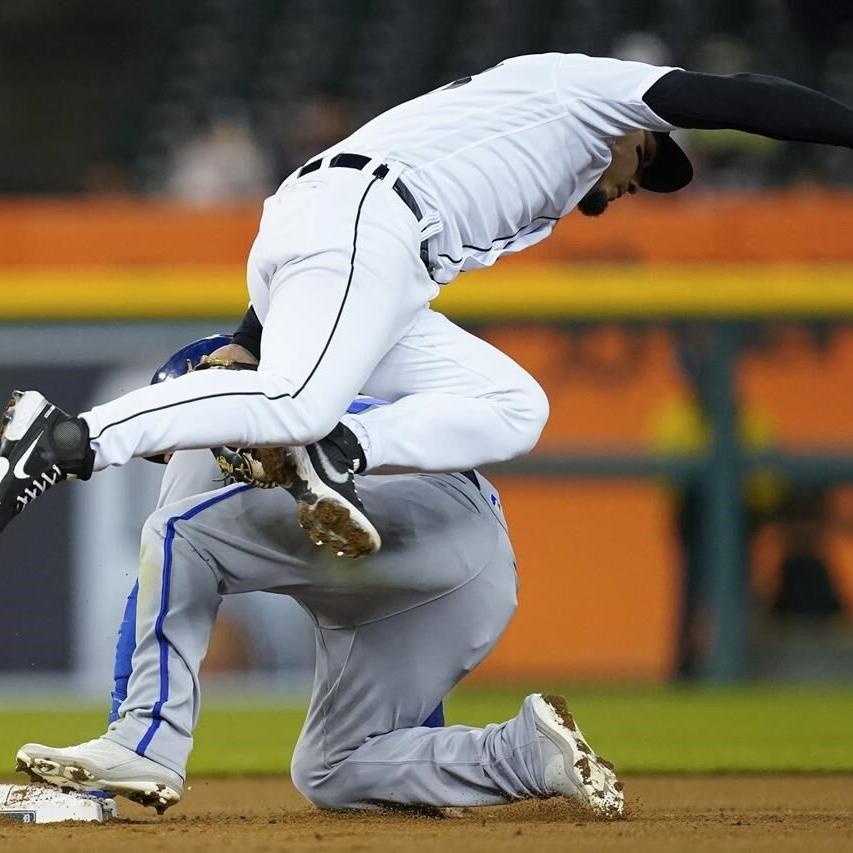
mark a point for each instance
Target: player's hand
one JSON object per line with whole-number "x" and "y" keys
{"x": 234, "y": 352}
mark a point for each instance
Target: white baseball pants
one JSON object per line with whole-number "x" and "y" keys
{"x": 336, "y": 278}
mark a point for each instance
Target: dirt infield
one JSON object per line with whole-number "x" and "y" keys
{"x": 729, "y": 813}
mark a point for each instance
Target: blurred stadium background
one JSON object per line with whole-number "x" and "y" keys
{"x": 688, "y": 516}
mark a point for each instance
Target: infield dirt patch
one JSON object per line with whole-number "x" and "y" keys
{"x": 778, "y": 813}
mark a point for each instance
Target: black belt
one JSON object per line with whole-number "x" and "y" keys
{"x": 359, "y": 161}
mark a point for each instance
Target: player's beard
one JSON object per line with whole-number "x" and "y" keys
{"x": 594, "y": 203}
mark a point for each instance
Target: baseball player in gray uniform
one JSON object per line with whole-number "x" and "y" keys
{"x": 391, "y": 640}
{"x": 355, "y": 244}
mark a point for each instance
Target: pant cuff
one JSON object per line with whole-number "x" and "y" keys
{"x": 368, "y": 445}
{"x": 129, "y": 735}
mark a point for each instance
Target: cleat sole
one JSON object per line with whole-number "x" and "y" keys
{"x": 329, "y": 519}
{"x": 330, "y": 523}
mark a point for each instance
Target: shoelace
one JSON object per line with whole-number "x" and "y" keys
{"x": 38, "y": 486}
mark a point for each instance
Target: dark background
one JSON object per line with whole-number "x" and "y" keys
{"x": 96, "y": 96}
{"x": 35, "y": 564}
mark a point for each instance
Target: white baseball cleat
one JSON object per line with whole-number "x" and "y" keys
{"x": 572, "y": 769}
{"x": 102, "y": 765}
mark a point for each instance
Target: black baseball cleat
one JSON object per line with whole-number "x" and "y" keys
{"x": 39, "y": 446}
{"x": 321, "y": 477}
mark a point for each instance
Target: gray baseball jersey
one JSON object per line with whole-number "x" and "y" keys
{"x": 394, "y": 633}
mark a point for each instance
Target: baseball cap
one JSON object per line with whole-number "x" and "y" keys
{"x": 670, "y": 170}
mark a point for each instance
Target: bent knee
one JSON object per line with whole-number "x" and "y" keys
{"x": 155, "y": 527}
{"x": 302, "y": 772}
{"x": 326, "y": 796}
{"x": 537, "y": 405}
{"x": 317, "y": 783}
{"x": 529, "y": 408}
{"x": 171, "y": 531}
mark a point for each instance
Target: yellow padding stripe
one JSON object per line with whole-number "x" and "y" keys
{"x": 643, "y": 291}
{"x": 514, "y": 290}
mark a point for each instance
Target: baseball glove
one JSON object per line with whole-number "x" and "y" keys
{"x": 262, "y": 467}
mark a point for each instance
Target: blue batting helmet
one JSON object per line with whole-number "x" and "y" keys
{"x": 189, "y": 356}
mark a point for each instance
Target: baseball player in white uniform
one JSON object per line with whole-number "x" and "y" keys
{"x": 355, "y": 244}
{"x": 391, "y": 640}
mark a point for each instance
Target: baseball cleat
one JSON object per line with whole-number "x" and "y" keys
{"x": 321, "y": 477}
{"x": 40, "y": 445}
{"x": 572, "y": 769}
{"x": 101, "y": 765}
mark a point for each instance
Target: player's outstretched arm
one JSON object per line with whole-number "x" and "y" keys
{"x": 755, "y": 103}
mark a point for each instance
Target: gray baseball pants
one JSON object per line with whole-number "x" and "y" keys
{"x": 394, "y": 633}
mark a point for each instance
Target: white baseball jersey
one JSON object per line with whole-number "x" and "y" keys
{"x": 336, "y": 277}
{"x": 498, "y": 158}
